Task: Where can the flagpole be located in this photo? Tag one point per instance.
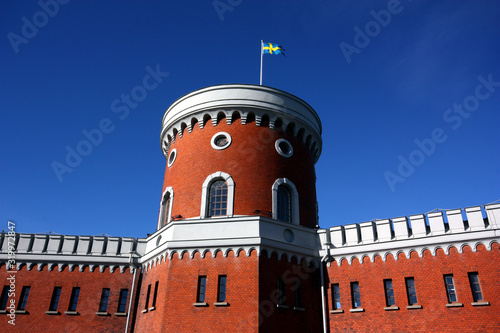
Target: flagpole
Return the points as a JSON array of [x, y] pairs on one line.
[[261, 56]]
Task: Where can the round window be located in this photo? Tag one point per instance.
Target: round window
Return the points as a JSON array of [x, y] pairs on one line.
[[284, 147], [221, 140], [172, 157]]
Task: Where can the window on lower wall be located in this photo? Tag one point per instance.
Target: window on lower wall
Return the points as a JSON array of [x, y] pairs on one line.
[[356, 295], [281, 292], [221, 294], [146, 305], [73, 302], [103, 305], [202, 285], [24, 298], [390, 300], [4, 298], [411, 291], [336, 297], [122, 303], [475, 286], [450, 288], [297, 292], [54, 301], [155, 293]]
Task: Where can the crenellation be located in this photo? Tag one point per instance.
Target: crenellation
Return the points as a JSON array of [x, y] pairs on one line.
[[84, 243], [69, 244], [39, 243], [418, 225], [455, 220], [25, 243], [113, 246], [436, 223], [475, 218], [493, 215], [384, 230], [337, 236], [54, 243], [368, 232], [401, 227], [98, 245]]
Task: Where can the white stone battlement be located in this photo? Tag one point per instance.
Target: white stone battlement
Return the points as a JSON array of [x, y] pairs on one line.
[[420, 232], [61, 250]]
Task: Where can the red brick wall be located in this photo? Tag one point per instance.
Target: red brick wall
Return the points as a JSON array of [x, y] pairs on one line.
[[91, 284], [428, 272], [273, 319], [252, 162], [178, 282]]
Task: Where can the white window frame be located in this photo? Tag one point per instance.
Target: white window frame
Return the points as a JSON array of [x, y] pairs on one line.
[[294, 199], [168, 190], [219, 175]]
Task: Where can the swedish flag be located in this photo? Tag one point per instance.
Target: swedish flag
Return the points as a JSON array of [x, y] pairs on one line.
[[270, 48]]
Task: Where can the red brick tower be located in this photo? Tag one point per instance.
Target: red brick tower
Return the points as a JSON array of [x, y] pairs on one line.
[[235, 245]]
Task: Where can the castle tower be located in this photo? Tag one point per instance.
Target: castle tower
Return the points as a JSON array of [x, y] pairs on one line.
[[235, 245]]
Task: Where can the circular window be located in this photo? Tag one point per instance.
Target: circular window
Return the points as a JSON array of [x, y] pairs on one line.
[[221, 140], [172, 157], [284, 147]]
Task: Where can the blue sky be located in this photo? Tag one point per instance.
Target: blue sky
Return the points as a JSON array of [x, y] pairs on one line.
[[408, 93]]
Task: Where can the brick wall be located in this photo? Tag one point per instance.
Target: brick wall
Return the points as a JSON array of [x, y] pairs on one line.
[[91, 284], [178, 282], [252, 162], [428, 271]]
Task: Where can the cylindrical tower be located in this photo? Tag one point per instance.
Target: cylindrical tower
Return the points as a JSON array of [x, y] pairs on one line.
[[240, 150]]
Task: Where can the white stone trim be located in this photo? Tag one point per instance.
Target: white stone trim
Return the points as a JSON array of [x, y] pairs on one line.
[[216, 135], [294, 199], [168, 190], [219, 175]]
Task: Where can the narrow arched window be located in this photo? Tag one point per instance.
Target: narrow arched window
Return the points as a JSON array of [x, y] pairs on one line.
[[165, 210], [218, 199], [166, 207], [284, 204]]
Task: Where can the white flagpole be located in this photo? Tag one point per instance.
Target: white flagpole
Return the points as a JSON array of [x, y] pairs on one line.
[[261, 56]]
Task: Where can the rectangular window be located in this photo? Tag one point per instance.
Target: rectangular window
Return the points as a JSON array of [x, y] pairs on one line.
[[103, 305], [24, 298], [221, 294], [297, 294], [146, 305], [355, 294], [5, 297], [122, 303], [73, 302], [281, 292], [390, 300], [54, 301], [155, 294], [336, 297], [477, 295], [450, 288], [411, 291], [202, 285]]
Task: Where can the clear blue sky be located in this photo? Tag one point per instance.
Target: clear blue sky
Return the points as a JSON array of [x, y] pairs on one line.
[[404, 76]]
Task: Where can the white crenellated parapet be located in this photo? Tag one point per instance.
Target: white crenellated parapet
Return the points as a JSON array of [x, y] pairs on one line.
[[441, 229], [67, 251]]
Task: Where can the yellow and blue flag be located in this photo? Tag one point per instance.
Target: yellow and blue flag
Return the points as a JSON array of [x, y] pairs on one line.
[[270, 48]]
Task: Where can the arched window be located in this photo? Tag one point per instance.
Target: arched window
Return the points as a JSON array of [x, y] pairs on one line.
[[285, 201], [284, 204], [217, 195], [218, 199], [166, 207]]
